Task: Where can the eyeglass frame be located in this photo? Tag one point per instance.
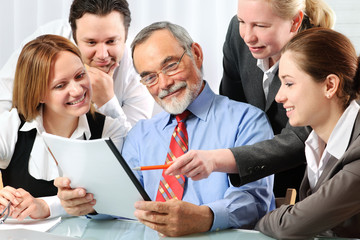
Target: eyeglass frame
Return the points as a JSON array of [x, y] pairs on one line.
[[5, 213], [162, 70]]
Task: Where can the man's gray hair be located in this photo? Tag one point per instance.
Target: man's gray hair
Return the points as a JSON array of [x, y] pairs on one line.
[[180, 34]]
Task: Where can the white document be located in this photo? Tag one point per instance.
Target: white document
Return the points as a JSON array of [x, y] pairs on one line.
[[42, 225], [25, 234], [97, 166]]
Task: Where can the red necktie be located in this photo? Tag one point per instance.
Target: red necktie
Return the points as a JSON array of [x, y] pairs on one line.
[[173, 186]]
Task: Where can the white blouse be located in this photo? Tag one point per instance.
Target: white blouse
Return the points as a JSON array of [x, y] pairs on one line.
[[337, 144], [41, 164], [269, 73]]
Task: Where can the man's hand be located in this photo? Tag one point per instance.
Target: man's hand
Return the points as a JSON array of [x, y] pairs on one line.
[[76, 201], [199, 164], [174, 218], [102, 84]]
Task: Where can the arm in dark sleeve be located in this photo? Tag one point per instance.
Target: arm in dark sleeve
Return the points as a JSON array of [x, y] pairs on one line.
[[285, 151]]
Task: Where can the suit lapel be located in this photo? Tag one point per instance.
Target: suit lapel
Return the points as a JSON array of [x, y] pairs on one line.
[[274, 88], [255, 75], [333, 162], [326, 173], [356, 130]]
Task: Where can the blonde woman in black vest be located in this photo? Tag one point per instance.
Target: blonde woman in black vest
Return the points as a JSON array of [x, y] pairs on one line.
[[52, 94]]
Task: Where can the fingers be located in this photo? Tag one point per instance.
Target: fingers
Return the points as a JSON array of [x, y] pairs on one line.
[[76, 201], [160, 207], [180, 165], [87, 67], [191, 164], [76, 197], [23, 210], [151, 213], [112, 69], [81, 209], [9, 194], [65, 192], [159, 227], [29, 206], [62, 182], [171, 218]]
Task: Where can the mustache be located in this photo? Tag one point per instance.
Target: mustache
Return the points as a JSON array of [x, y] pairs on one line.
[[174, 88]]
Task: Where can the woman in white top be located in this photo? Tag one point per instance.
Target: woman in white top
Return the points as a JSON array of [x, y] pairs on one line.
[[52, 94], [319, 73]]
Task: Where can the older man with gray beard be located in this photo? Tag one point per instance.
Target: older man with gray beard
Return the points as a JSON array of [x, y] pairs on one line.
[[170, 63]]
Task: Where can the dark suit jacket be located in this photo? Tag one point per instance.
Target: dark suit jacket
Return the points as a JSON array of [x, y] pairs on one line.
[[332, 208], [242, 81]]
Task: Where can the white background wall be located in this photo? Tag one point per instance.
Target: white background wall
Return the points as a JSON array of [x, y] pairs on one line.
[[206, 21]]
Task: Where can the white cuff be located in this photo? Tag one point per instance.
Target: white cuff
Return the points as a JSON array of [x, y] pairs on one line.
[[55, 207]]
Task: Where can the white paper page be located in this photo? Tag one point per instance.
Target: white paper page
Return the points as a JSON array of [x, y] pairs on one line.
[[42, 225], [25, 234], [92, 165]]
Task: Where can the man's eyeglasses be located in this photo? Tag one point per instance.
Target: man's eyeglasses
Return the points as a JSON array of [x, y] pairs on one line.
[[170, 69], [5, 213]]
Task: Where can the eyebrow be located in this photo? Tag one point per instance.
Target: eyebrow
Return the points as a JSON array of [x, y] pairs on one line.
[[64, 78], [86, 39], [285, 76]]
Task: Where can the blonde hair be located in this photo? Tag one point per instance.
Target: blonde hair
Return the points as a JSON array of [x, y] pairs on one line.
[[33, 72], [317, 12]]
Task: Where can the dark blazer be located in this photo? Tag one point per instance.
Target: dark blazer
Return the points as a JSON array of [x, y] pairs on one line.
[[242, 81], [332, 208]]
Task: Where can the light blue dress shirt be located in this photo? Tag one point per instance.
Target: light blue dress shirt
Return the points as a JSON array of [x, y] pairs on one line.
[[216, 122]]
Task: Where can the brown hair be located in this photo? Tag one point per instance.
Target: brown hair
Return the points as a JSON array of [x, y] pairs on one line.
[[33, 71], [98, 7], [321, 52]]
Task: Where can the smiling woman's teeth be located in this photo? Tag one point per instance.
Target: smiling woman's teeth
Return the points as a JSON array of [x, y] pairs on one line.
[[289, 109], [73, 103]]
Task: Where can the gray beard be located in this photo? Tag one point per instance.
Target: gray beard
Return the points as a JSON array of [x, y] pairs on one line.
[[177, 106]]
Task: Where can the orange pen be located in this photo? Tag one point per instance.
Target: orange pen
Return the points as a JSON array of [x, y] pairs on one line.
[[154, 167]]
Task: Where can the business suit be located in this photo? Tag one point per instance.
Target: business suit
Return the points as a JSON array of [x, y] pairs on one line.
[[243, 81], [331, 208]]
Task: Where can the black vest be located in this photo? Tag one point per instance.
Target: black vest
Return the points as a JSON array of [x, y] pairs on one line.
[[17, 173]]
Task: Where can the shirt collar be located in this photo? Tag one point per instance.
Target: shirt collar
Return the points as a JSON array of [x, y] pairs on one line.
[[263, 64], [82, 129], [340, 136], [199, 107], [37, 123]]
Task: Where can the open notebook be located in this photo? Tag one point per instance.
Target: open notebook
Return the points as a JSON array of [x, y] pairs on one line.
[[97, 166]]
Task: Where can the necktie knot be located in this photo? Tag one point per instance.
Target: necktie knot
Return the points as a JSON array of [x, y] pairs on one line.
[[182, 116]]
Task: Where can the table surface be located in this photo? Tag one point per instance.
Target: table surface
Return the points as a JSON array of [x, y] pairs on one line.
[[80, 227], [83, 228]]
